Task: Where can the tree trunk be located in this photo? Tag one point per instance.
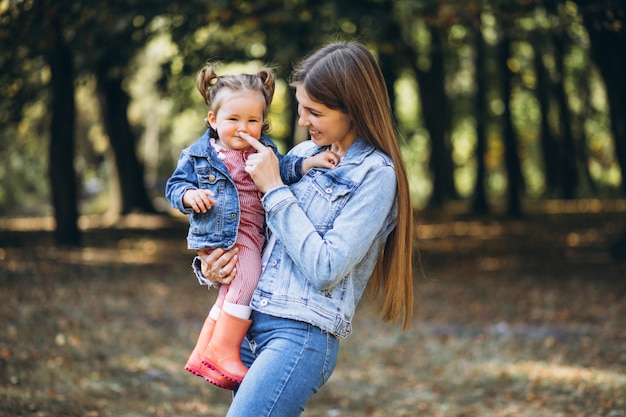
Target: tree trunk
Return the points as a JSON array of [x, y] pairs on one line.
[[570, 178], [511, 155], [62, 175], [114, 104], [608, 43], [437, 121], [549, 145], [479, 201]]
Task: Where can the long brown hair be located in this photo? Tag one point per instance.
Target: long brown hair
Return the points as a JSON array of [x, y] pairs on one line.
[[345, 76]]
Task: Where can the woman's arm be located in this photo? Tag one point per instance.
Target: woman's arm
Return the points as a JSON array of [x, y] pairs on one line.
[[327, 259]]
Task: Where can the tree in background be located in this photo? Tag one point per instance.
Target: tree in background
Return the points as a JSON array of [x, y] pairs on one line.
[[476, 128]]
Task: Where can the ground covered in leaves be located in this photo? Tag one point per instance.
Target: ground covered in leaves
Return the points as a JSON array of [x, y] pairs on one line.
[[513, 318]]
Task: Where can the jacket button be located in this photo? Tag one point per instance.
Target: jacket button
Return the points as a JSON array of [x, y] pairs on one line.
[[264, 302], [211, 177], [233, 215]]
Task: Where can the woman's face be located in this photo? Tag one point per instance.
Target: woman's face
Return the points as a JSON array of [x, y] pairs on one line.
[[239, 111], [326, 126]]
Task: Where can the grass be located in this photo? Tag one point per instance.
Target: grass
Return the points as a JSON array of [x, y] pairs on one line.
[[514, 318]]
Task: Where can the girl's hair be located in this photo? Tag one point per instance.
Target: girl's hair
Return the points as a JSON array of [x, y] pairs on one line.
[[345, 76], [213, 87]]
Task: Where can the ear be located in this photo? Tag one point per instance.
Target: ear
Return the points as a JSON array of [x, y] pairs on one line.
[[212, 120]]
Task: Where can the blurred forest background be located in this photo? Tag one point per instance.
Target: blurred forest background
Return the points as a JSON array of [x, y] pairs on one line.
[[512, 119], [501, 106]]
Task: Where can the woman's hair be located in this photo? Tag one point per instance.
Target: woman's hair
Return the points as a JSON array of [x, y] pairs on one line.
[[213, 87], [345, 76]]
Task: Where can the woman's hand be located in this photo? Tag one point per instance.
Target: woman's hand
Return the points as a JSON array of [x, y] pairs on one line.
[[262, 165], [218, 265]]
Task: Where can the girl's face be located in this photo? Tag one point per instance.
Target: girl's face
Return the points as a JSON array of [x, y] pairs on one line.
[[239, 111], [326, 126]]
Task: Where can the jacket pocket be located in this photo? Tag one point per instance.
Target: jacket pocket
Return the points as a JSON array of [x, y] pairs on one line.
[[330, 196], [207, 177]]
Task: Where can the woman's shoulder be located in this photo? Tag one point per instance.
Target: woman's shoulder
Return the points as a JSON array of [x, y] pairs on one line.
[[363, 153]]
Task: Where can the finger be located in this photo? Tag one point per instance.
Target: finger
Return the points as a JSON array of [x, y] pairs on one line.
[[231, 265], [255, 143], [210, 258], [195, 207], [207, 203], [204, 207], [229, 271], [228, 260], [204, 268]]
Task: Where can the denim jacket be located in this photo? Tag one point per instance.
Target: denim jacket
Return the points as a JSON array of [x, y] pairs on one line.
[[330, 228], [199, 167]]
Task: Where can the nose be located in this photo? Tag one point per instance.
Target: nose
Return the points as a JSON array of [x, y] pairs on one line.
[[303, 119], [243, 126]]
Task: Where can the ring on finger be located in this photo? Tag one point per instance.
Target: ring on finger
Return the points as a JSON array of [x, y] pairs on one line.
[[220, 273]]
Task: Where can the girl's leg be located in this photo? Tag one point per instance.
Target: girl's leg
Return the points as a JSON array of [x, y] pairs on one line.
[[222, 352], [248, 272], [194, 362], [289, 360]]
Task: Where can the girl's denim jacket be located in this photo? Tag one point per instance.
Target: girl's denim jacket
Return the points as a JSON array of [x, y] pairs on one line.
[[199, 167], [330, 229]]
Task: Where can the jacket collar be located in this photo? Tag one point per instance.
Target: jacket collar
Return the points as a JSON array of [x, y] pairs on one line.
[[356, 153]]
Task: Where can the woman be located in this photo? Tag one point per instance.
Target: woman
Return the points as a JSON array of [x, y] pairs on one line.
[[329, 234]]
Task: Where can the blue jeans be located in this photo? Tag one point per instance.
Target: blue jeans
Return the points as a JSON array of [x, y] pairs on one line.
[[289, 361]]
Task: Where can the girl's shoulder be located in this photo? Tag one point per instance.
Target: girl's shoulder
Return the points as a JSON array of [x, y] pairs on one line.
[[267, 141], [201, 146]]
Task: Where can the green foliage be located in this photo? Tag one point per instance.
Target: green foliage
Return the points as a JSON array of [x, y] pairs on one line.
[[157, 47]]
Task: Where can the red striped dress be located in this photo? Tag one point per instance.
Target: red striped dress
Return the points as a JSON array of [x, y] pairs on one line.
[[250, 237]]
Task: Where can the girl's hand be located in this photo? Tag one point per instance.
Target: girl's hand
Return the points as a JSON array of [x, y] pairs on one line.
[[326, 159], [218, 265], [262, 165], [200, 200]]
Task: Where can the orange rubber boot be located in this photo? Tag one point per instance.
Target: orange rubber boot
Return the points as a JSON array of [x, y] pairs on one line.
[[194, 363], [222, 352]]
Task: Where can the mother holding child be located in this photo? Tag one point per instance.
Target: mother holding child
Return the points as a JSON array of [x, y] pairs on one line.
[[347, 224]]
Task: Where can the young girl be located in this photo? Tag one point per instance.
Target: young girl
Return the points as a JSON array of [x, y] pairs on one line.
[[331, 234], [210, 184]]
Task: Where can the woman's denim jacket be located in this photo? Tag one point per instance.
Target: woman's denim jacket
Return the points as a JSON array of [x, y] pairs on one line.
[[330, 229], [199, 167]]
